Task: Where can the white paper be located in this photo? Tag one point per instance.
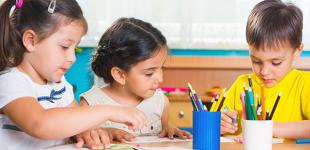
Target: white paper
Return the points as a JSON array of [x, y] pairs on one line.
[[277, 141], [164, 148], [229, 139], [66, 147], [152, 139], [72, 147]]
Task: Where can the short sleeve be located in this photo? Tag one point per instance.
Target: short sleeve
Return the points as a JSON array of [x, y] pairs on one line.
[[305, 97], [94, 96], [14, 86]]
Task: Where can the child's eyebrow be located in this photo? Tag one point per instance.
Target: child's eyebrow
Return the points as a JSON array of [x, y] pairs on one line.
[[70, 41], [272, 59], [253, 57], [152, 68]]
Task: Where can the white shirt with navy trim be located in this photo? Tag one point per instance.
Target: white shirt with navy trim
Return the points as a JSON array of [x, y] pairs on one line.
[[15, 84]]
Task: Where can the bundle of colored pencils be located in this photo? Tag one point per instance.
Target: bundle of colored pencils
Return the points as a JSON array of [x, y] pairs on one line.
[[252, 111], [217, 103]]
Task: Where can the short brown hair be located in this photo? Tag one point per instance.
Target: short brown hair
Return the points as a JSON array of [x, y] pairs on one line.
[[272, 22]]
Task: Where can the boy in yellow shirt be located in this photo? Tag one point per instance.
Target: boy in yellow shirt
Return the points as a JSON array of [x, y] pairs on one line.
[[274, 36]]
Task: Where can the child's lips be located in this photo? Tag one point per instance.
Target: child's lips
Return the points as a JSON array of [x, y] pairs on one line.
[[63, 70], [268, 80]]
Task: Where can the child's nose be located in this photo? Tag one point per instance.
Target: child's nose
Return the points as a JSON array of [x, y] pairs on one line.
[[71, 56], [264, 70], [160, 77]]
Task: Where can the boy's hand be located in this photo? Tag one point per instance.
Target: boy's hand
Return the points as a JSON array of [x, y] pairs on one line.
[[95, 139], [239, 139], [132, 117], [171, 132], [227, 125]]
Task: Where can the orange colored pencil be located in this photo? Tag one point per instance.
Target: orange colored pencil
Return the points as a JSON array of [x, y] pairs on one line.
[[263, 102]]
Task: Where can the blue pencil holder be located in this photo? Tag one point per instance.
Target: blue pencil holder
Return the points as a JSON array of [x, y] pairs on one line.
[[206, 130]]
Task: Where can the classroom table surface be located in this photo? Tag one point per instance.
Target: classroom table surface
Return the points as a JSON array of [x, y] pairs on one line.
[[287, 145]]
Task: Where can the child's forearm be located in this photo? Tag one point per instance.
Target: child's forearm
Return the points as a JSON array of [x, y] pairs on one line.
[[55, 123], [60, 123], [292, 130]]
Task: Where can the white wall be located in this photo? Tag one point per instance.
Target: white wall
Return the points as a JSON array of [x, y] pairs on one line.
[[206, 24], [213, 24]]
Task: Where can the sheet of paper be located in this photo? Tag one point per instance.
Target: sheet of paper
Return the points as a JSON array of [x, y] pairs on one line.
[[155, 139], [164, 148], [112, 147], [151, 139], [228, 139], [277, 141], [65, 147], [231, 139]]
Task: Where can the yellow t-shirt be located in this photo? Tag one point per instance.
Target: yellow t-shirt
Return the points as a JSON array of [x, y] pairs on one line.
[[294, 104]]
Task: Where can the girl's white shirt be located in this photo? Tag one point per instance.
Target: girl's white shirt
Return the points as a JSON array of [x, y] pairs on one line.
[[152, 107], [15, 84]]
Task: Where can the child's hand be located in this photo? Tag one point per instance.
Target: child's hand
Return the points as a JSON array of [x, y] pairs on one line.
[[171, 132], [132, 117], [94, 139], [120, 135], [239, 139], [227, 125]]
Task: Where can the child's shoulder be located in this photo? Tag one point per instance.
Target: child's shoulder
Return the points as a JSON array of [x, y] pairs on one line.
[[302, 75], [12, 76], [95, 96], [92, 91], [14, 84]]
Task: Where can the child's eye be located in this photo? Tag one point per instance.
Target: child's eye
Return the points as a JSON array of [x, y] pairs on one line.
[[256, 62], [276, 63], [65, 47], [148, 74]]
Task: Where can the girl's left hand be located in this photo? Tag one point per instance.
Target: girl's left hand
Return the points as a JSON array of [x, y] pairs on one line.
[[94, 139], [172, 132]]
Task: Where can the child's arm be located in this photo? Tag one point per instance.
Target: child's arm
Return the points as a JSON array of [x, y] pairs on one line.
[[168, 130], [98, 138], [292, 130], [56, 123]]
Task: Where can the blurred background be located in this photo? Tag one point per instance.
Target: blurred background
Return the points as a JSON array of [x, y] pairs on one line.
[[206, 37], [196, 24]]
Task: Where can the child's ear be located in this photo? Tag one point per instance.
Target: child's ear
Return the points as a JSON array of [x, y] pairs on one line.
[[118, 75], [299, 50], [29, 38]]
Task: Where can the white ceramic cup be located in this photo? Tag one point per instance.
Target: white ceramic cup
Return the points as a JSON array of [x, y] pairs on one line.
[[257, 134]]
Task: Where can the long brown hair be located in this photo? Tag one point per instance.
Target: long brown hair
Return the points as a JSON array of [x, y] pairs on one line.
[[127, 42], [34, 15]]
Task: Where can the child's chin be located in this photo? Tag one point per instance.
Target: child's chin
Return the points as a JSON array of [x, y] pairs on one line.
[[148, 94], [56, 79], [269, 85]]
